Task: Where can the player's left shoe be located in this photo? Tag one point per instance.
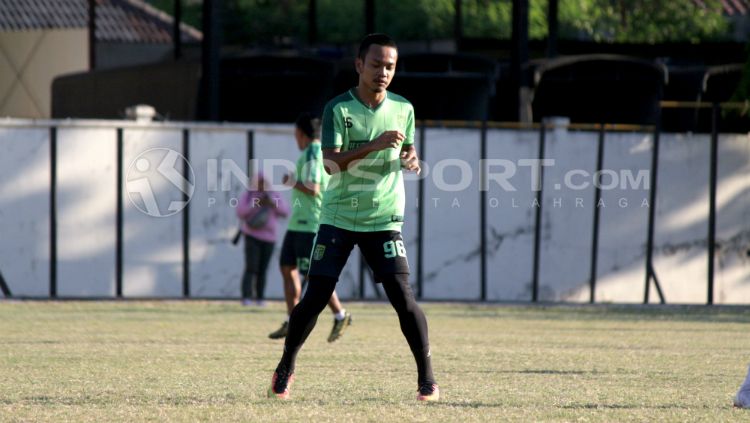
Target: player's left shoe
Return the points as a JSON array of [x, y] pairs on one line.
[[742, 399], [428, 392], [339, 326], [739, 403], [280, 332], [280, 384]]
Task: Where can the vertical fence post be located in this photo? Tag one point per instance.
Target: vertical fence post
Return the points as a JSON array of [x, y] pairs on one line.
[[4, 287], [538, 217], [650, 273], [186, 217], [250, 171], [361, 276], [595, 231], [53, 212], [483, 211], [176, 33], [91, 23], [118, 213], [712, 199], [420, 216]]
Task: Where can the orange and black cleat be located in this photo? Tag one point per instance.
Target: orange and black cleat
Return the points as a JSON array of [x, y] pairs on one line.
[[280, 383], [428, 392]]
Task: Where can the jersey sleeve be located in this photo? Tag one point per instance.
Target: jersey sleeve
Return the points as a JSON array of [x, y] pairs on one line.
[[409, 128], [331, 131], [313, 164]]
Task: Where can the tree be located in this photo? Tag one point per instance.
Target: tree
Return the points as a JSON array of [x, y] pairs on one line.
[[642, 21], [249, 22]]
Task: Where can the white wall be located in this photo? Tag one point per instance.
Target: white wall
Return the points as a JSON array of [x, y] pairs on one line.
[[152, 247], [24, 209], [152, 253], [215, 264], [86, 204], [510, 220], [451, 261], [565, 253], [623, 230]]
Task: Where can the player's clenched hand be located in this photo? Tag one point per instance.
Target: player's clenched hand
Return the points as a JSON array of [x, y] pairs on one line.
[[388, 139], [410, 161]]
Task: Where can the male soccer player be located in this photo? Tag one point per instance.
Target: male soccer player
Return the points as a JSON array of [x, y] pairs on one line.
[[368, 136], [308, 185]]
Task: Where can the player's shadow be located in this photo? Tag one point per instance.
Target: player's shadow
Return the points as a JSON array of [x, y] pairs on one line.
[[593, 406]]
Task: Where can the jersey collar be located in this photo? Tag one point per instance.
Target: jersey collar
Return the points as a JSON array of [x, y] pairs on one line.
[[353, 93]]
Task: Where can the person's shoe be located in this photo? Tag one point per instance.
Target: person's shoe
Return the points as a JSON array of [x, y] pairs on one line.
[[339, 326], [428, 392], [280, 332], [742, 399], [247, 302], [280, 383]]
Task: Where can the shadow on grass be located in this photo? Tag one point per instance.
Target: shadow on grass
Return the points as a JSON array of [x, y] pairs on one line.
[[601, 312], [555, 372], [583, 406], [104, 400], [592, 406], [474, 405]]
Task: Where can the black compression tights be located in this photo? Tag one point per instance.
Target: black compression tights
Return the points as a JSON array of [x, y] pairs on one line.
[[410, 316]]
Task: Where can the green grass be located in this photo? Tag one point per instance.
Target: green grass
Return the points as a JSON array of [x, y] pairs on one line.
[[212, 361]]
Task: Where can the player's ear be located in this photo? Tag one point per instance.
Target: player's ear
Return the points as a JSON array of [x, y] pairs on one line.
[[358, 65]]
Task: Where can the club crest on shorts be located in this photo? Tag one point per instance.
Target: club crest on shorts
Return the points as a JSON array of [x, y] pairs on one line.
[[319, 251]]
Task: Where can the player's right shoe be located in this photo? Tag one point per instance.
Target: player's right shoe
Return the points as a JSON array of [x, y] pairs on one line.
[[280, 383], [339, 326], [428, 392], [280, 332]]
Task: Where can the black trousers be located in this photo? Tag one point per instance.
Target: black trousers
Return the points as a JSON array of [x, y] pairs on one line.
[[257, 256]]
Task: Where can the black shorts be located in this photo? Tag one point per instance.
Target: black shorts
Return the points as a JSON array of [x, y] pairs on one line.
[[296, 249], [384, 251]]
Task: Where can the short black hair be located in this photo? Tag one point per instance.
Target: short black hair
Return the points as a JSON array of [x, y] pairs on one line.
[[308, 124], [378, 39]]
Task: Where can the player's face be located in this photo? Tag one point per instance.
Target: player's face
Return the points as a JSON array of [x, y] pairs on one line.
[[300, 138], [376, 71]]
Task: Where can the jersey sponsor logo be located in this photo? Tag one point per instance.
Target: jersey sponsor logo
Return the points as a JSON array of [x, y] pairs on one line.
[[397, 218], [320, 250], [354, 144], [303, 264], [401, 119]]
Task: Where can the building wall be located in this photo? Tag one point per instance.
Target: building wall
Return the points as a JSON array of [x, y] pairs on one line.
[[30, 60], [152, 246]]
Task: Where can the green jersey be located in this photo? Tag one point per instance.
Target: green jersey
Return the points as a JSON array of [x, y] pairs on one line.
[[306, 208], [369, 196]]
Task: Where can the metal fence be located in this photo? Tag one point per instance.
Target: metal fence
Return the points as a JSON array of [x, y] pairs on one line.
[[602, 132]]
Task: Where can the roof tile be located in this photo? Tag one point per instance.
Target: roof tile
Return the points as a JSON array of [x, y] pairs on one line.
[[116, 20]]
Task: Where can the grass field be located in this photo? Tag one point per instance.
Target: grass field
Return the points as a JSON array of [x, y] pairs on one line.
[[200, 361]]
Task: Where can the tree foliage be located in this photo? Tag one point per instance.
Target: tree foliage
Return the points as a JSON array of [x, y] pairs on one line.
[[342, 21], [642, 21]]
